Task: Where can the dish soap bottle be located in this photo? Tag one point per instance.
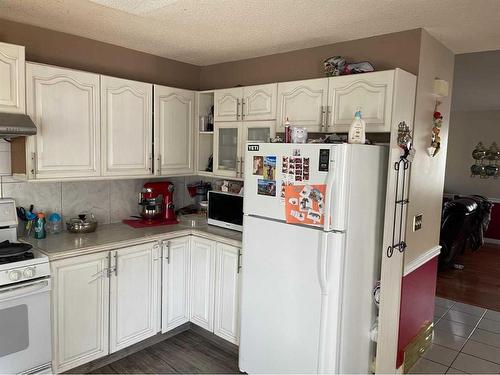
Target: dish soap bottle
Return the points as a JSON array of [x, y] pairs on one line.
[[40, 226], [357, 129]]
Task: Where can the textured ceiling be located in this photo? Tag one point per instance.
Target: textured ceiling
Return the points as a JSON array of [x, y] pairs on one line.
[[204, 32]]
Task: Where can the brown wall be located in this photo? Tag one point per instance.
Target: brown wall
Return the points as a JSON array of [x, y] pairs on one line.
[[397, 50], [66, 50]]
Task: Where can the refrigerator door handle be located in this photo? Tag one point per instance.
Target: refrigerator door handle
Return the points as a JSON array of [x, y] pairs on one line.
[[328, 199], [323, 264]]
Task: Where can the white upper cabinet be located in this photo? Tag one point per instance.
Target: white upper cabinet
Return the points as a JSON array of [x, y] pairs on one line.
[[227, 104], [304, 103], [248, 103], [259, 102], [174, 132], [126, 127], [64, 104], [134, 295], [372, 92], [202, 282], [227, 149], [12, 83], [175, 284]]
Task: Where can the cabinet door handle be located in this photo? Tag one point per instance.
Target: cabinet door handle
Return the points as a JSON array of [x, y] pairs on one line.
[[242, 108], [158, 160], [238, 268], [167, 245], [150, 161], [328, 113], [323, 117], [33, 158], [241, 167], [116, 263], [238, 104]]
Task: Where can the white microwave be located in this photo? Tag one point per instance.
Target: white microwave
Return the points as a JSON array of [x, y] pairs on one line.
[[225, 210]]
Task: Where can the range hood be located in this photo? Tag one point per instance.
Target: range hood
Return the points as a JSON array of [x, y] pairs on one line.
[[14, 125]]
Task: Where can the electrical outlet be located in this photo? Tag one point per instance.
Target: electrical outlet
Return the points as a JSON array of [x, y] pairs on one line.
[[417, 222]]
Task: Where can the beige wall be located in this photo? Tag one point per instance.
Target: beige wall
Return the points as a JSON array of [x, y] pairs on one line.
[[397, 50], [475, 118], [56, 48], [467, 128], [427, 173]]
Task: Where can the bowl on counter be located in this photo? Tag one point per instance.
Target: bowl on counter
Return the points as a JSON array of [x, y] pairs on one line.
[[82, 224]]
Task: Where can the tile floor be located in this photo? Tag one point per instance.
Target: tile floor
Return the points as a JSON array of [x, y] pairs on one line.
[[466, 341]]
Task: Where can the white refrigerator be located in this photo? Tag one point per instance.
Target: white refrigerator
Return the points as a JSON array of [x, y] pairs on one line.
[[312, 237]]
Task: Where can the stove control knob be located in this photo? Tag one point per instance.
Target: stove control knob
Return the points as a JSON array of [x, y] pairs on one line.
[[29, 272], [15, 275]]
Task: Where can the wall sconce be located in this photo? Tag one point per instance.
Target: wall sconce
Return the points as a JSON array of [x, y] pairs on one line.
[[486, 161]]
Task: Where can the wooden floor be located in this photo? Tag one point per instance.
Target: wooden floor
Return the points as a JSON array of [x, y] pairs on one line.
[[185, 353], [478, 283]]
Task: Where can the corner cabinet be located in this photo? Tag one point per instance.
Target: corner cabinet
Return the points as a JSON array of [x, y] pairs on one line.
[[249, 103], [126, 127], [174, 130], [227, 292], [134, 295], [202, 282], [372, 92], [12, 78], [64, 104], [175, 283], [80, 308]]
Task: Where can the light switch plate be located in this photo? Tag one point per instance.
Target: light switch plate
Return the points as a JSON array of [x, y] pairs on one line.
[[417, 222]]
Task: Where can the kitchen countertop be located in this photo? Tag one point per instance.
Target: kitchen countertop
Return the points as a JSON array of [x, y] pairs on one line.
[[115, 236]]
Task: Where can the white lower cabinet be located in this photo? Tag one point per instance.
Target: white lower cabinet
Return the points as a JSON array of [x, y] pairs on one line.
[[80, 301], [134, 297], [104, 302], [227, 293], [175, 283], [202, 280]]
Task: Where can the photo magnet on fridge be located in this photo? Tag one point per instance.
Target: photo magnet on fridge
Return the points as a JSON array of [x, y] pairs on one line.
[[265, 187], [269, 172], [258, 165]]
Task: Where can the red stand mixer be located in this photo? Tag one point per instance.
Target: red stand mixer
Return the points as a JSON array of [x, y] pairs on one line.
[[156, 205]]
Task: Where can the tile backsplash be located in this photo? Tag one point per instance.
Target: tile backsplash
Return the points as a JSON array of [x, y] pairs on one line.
[[110, 201]]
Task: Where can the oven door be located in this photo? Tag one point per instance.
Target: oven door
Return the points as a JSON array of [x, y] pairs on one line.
[[25, 344]]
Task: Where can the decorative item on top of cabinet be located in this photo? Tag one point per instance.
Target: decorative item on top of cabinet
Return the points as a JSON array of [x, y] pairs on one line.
[[304, 103], [12, 78], [64, 104], [249, 103], [80, 308], [202, 282], [175, 283], [126, 127], [134, 295], [227, 292], [371, 91], [174, 130]]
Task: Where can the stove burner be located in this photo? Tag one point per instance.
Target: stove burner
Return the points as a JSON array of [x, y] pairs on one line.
[[9, 249], [17, 258]]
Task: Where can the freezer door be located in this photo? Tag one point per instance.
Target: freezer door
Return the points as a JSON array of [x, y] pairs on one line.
[[269, 167], [290, 298]]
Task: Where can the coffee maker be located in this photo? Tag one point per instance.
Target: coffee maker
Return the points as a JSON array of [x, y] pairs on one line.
[[156, 205]]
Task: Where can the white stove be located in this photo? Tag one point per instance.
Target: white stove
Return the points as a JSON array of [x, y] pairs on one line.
[[25, 287]]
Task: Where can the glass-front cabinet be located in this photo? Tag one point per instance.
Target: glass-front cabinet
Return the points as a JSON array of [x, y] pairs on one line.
[[227, 152], [230, 142]]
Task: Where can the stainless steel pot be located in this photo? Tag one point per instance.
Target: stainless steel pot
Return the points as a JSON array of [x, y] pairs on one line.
[[82, 224]]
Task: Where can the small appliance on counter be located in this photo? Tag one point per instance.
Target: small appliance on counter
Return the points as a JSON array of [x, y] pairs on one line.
[[225, 210], [156, 206], [24, 301]]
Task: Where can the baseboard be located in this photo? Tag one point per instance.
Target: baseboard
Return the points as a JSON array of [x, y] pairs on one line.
[[421, 260], [104, 361], [216, 340], [493, 241]]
